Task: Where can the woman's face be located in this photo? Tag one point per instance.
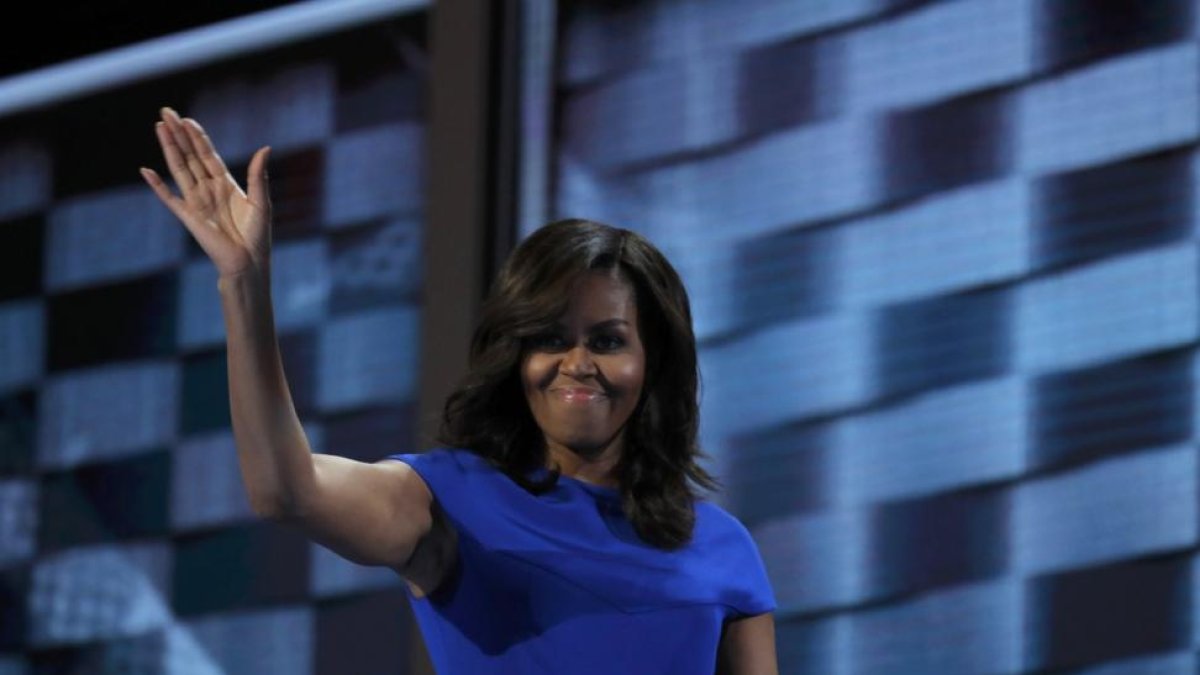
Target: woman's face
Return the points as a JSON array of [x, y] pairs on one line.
[[583, 379]]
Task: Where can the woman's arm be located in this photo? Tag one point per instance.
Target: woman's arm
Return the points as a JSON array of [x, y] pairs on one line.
[[372, 514], [748, 647], [369, 513]]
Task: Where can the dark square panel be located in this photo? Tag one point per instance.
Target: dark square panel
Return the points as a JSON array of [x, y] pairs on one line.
[[784, 276], [14, 620], [1087, 414], [938, 541], [143, 653], [64, 660], [1112, 209], [22, 256], [1109, 613], [780, 472], [116, 322], [780, 86], [370, 435], [376, 629], [297, 185], [1072, 32], [628, 23], [104, 502], [248, 566], [18, 432], [205, 398], [944, 340], [947, 144]]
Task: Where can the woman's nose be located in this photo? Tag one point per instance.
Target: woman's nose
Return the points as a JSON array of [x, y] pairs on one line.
[[578, 361]]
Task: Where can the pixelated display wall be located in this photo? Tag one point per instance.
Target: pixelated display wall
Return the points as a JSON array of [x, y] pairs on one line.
[[126, 541], [943, 264]]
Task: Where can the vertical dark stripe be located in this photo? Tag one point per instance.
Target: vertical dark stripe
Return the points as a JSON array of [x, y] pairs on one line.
[[458, 246], [455, 239]]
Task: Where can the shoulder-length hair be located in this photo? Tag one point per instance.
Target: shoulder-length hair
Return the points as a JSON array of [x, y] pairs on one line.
[[488, 413]]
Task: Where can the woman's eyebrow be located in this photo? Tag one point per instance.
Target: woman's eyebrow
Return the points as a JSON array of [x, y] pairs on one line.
[[602, 324]]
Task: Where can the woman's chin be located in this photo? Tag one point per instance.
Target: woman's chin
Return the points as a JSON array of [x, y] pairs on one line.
[[586, 446]]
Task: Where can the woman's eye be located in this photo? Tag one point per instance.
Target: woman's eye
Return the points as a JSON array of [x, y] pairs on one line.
[[602, 343], [609, 342], [546, 341]]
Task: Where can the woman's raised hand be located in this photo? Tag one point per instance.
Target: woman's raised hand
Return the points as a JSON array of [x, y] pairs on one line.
[[233, 227]]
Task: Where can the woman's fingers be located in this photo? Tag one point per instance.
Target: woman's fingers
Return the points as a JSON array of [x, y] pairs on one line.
[[184, 142], [213, 164], [175, 161], [209, 238], [175, 204]]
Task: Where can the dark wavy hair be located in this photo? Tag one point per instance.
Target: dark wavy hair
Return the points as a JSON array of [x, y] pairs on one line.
[[489, 415]]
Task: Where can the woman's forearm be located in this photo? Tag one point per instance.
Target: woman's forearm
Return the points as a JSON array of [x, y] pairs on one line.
[[273, 451]]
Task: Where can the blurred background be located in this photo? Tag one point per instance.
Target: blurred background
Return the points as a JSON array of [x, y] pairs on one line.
[[943, 265]]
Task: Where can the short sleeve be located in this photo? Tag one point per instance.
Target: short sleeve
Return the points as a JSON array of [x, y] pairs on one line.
[[447, 473], [745, 588], [461, 482], [436, 467], [755, 595]]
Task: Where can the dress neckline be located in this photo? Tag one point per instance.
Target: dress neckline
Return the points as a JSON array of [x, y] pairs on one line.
[[592, 487], [606, 492]]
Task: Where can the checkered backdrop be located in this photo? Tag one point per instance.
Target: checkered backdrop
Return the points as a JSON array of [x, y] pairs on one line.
[[943, 266], [126, 541], [943, 263]]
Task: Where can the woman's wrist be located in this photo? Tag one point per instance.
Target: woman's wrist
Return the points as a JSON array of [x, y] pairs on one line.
[[255, 274]]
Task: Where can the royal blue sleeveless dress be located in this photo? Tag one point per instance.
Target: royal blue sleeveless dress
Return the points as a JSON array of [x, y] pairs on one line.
[[560, 583]]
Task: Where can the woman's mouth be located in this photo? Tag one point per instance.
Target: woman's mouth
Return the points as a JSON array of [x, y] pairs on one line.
[[579, 395]]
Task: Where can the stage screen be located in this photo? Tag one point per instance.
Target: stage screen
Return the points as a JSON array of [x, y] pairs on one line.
[[943, 268]]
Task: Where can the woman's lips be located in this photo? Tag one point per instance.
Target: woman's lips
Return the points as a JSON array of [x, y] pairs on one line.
[[577, 394]]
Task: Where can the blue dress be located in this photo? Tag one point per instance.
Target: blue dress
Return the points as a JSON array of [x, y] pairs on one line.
[[560, 582]]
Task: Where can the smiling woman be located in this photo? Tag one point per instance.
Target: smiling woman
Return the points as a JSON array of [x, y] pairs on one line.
[[585, 305], [566, 499]]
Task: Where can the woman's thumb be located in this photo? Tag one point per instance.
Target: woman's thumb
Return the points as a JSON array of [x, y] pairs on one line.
[[256, 178]]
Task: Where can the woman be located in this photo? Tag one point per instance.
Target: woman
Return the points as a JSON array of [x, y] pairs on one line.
[[557, 531]]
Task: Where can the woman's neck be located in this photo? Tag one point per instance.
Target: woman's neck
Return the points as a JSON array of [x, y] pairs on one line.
[[599, 468]]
